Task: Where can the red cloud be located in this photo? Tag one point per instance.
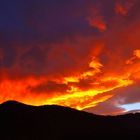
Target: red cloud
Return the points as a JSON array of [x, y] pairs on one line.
[[97, 22], [80, 69], [124, 6], [96, 19]]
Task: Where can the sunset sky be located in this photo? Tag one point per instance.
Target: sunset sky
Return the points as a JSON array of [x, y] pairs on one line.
[[84, 54]]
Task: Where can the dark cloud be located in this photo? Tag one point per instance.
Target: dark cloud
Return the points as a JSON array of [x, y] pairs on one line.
[[106, 108], [50, 87], [122, 96]]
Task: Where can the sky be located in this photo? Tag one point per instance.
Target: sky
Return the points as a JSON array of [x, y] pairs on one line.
[[83, 54], [131, 107]]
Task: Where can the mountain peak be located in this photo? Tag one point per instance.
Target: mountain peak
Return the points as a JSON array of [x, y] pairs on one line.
[[10, 102], [53, 122]]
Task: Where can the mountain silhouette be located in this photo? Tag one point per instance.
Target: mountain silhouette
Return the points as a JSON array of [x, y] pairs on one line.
[[24, 122]]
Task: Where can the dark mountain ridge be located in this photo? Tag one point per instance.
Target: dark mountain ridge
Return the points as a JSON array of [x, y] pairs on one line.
[[24, 122]]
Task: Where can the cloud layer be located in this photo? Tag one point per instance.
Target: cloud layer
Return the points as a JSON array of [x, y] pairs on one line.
[[82, 54]]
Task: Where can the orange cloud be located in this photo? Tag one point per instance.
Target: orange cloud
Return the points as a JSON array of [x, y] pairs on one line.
[[81, 70], [137, 53]]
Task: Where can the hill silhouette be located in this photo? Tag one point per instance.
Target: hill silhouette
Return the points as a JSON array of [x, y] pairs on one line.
[[23, 122]]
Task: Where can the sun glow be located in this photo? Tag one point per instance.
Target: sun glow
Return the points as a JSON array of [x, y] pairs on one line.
[[73, 96]]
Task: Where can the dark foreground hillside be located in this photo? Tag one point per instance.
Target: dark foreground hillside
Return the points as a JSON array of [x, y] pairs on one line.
[[22, 122]]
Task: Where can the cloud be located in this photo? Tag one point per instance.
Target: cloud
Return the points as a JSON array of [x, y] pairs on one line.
[[124, 6], [50, 87], [122, 96], [106, 108], [137, 53], [73, 54], [96, 19]]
